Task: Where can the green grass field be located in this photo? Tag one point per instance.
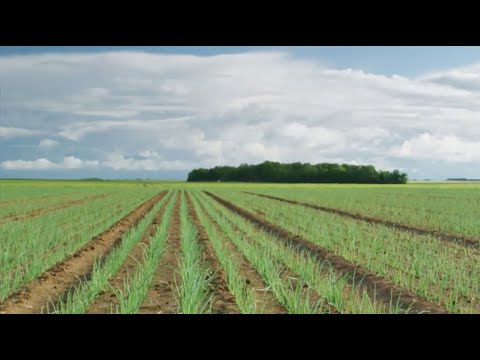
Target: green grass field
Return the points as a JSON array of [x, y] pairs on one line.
[[176, 247]]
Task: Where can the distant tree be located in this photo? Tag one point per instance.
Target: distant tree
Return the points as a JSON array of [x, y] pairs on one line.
[[276, 172]]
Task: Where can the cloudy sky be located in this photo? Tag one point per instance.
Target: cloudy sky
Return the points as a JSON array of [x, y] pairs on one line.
[[159, 112]]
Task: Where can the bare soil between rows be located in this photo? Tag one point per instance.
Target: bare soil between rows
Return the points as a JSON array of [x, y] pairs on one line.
[[377, 287], [161, 298], [41, 293], [223, 300], [34, 198], [433, 197], [263, 295], [38, 212], [59, 245], [107, 301], [418, 231], [293, 278]]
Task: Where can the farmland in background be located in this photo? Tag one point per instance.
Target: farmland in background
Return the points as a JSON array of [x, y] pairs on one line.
[[175, 247]]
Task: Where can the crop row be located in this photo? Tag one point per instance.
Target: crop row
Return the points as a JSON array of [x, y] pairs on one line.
[[262, 271], [450, 215], [443, 273], [30, 247]]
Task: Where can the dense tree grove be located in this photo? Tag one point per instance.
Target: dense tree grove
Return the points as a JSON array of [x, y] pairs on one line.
[[276, 172]]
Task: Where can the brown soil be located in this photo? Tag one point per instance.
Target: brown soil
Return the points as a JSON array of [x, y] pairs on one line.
[[37, 296], [160, 298], [57, 246], [456, 239], [224, 301], [434, 197], [264, 297], [377, 287], [33, 198], [291, 279], [38, 212], [347, 291], [107, 302], [287, 276]]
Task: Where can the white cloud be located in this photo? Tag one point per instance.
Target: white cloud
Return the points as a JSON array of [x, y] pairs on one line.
[[142, 111], [78, 130], [149, 154], [69, 162], [439, 147], [120, 162], [26, 164], [47, 143], [12, 132]]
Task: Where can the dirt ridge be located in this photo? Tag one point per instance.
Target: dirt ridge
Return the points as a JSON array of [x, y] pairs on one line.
[[38, 212], [51, 285], [160, 297], [107, 300], [419, 231], [253, 277], [38, 197], [224, 301], [376, 286]]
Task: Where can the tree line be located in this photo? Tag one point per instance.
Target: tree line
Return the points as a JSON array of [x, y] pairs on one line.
[[276, 172]]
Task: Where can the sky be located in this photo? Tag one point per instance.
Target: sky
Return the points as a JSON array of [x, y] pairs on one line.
[[159, 112]]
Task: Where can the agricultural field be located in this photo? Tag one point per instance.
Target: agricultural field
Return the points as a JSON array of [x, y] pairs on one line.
[[135, 247]]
